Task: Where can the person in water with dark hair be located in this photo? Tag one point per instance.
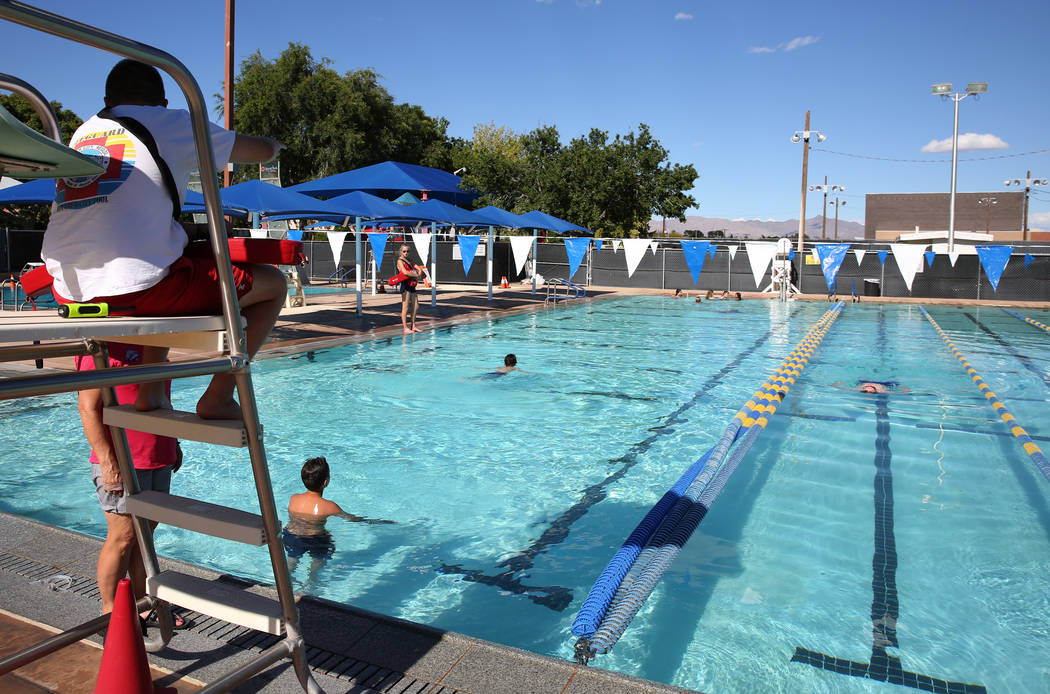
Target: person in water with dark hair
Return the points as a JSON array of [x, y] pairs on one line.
[[308, 512], [510, 363]]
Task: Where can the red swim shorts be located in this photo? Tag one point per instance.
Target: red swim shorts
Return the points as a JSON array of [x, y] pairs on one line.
[[191, 288]]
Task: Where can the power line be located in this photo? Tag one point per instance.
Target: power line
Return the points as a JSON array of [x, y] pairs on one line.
[[930, 161]]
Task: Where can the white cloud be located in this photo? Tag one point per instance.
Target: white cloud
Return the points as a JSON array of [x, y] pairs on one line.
[[795, 43], [681, 16], [800, 41], [966, 141], [738, 219], [1040, 220]]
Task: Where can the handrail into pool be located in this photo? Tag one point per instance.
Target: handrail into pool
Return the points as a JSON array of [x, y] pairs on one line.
[[552, 289], [1009, 420], [633, 572], [1026, 319]]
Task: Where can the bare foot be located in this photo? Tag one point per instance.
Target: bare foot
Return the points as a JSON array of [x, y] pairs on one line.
[[417, 330], [152, 396], [224, 409], [409, 331]]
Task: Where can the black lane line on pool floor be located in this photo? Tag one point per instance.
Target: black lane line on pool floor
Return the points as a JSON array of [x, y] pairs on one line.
[[885, 606], [559, 597], [1025, 361]]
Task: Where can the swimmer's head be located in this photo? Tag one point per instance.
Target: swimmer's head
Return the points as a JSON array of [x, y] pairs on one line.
[[315, 474], [510, 360], [869, 388]]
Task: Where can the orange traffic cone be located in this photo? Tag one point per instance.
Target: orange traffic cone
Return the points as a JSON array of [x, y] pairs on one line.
[[124, 668], [503, 283]]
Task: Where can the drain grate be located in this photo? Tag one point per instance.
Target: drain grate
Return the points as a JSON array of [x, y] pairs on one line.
[[324, 662]]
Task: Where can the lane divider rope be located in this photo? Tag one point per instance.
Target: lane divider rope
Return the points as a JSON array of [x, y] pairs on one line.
[[1026, 319], [1009, 420], [635, 569]]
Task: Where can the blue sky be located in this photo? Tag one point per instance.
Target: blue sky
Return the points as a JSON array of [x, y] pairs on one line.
[[722, 85]]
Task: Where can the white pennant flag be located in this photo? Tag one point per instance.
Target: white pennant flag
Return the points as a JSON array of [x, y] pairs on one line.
[[953, 255], [616, 244], [335, 240], [421, 241], [634, 249], [859, 255], [519, 248], [909, 257], [759, 253], [258, 233], [732, 251], [652, 245]]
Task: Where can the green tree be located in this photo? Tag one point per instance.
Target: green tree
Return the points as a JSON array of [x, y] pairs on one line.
[[330, 122]]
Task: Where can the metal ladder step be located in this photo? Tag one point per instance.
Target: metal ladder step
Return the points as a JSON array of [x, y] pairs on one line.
[[218, 600], [199, 516], [178, 424]]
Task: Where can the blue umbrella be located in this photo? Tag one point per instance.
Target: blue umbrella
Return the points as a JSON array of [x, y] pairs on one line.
[[195, 204], [267, 199], [501, 218]]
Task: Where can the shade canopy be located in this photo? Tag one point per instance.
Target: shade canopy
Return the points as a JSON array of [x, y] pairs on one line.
[[38, 192], [440, 211], [501, 218], [390, 179], [267, 199], [542, 220], [195, 205]]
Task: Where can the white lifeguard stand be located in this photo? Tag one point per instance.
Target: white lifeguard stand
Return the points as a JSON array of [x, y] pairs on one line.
[[781, 272]]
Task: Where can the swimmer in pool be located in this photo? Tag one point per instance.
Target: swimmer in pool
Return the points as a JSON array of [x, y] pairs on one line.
[[875, 387], [308, 512]]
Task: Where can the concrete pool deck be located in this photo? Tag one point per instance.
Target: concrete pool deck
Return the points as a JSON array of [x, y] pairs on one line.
[[350, 649]]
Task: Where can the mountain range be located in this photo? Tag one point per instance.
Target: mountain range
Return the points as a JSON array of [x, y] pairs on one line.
[[757, 228]]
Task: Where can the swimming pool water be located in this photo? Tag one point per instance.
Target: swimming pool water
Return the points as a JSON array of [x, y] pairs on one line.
[[510, 494]]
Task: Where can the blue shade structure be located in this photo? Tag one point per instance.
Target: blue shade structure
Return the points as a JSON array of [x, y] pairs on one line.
[[440, 211], [391, 179], [267, 199], [542, 220], [38, 192], [498, 217], [195, 204]]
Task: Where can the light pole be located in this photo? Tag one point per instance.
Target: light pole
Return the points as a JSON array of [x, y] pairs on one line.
[[837, 203], [988, 202], [1028, 183], [944, 90], [826, 189], [803, 137]]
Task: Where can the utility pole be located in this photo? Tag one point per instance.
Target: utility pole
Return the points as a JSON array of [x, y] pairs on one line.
[[824, 218], [803, 136], [988, 202], [837, 203], [1028, 183], [227, 106]]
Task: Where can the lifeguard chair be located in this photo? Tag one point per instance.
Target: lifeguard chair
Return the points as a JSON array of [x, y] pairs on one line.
[[34, 335]]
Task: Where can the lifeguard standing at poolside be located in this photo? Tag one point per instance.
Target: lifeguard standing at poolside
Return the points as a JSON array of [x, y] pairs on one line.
[[407, 287], [115, 237]]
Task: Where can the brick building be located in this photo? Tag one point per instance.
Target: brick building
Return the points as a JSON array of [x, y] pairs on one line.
[[888, 215]]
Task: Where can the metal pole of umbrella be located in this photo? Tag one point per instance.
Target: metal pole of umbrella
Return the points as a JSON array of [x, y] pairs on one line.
[[490, 262], [357, 262], [433, 265], [534, 263]]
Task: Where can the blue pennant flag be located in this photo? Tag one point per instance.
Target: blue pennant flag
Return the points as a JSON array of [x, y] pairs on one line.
[[882, 257], [468, 246], [831, 256], [1028, 257], [791, 254], [377, 240], [929, 258], [993, 260], [695, 252], [576, 248], [712, 250], [295, 235], [598, 244]]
